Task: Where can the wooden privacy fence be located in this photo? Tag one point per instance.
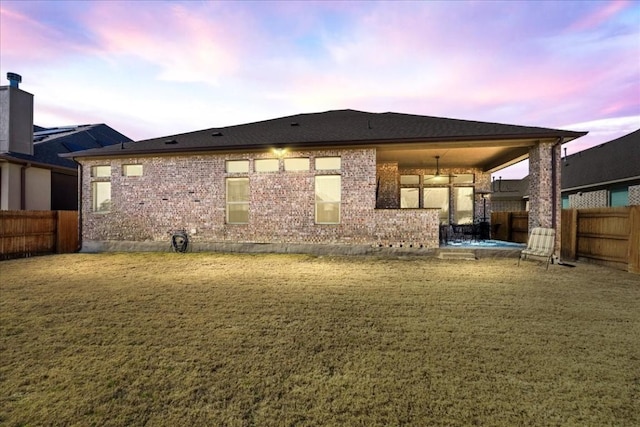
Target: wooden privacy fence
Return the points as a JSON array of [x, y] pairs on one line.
[[27, 233], [510, 226], [609, 236]]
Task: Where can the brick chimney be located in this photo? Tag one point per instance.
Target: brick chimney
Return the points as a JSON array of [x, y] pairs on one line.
[[16, 117]]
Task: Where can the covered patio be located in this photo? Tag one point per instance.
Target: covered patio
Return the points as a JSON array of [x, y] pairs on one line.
[[454, 176]]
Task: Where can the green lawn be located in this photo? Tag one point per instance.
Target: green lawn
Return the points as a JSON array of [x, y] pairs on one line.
[[283, 340]]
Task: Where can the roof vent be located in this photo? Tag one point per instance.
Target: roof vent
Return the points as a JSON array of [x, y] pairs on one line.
[[14, 79], [295, 124], [171, 141], [216, 134]]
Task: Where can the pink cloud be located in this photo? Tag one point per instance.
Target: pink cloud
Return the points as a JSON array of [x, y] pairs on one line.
[[599, 16], [186, 43], [28, 39]]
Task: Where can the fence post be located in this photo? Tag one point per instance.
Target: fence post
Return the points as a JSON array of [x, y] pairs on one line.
[[58, 231], [573, 235], [634, 240]]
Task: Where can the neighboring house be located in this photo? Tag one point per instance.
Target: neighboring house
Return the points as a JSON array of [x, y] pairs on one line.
[[602, 176], [606, 175], [32, 174], [339, 177], [510, 195]]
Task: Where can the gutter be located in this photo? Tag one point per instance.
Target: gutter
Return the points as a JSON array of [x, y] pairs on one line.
[[18, 161], [23, 185], [554, 183], [601, 184]]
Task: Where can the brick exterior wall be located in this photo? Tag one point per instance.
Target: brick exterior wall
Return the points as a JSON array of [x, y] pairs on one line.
[[188, 192], [545, 186], [389, 187], [589, 199]]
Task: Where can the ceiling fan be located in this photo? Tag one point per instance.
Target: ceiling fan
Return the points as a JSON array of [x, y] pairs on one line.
[[438, 174]]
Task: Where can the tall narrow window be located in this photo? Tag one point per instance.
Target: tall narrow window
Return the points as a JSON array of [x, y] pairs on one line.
[[101, 196], [237, 200], [328, 197], [101, 188], [463, 197], [438, 198]]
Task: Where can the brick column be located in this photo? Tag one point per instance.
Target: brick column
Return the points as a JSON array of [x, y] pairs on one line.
[[545, 200], [388, 186]]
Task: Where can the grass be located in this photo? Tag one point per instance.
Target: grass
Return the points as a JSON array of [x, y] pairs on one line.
[[295, 340]]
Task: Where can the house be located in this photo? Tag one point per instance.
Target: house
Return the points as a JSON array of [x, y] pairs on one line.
[[510, 195], [345, 178], [607, 175], [32, 174]]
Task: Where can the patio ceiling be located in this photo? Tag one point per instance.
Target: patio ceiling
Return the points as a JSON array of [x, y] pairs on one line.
[[489, 156]]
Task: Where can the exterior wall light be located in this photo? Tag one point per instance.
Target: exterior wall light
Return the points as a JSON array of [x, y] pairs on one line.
[[279, 152]]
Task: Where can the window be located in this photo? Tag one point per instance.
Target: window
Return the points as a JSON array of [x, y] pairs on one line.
[[409, 198], [328, 196], [295, 165], [237, 200], [101, 171], [328, 163], [462, 178], [409, 179], [463, 199], [619, 197], [266, 165], [132, 170], [101, 196], [435, 179], [438, 198], [237, 166]]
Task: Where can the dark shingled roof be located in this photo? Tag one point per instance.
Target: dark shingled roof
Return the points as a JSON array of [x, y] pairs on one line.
[[331, 128], [49, 143], [615, 160]]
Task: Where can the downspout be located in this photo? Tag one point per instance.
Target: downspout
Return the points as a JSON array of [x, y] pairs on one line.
[[80, 170], [554, 182], [23, 186]]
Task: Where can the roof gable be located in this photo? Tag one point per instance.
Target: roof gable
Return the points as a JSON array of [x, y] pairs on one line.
[[50, 143], [615, 160]]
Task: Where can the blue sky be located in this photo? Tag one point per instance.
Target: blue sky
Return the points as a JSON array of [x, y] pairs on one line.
[[154, 68]]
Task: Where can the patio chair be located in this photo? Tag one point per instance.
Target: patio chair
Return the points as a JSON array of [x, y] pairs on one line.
[[541, 244]]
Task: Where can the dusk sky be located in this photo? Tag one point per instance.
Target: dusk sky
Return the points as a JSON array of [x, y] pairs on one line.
[[153, 68]]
